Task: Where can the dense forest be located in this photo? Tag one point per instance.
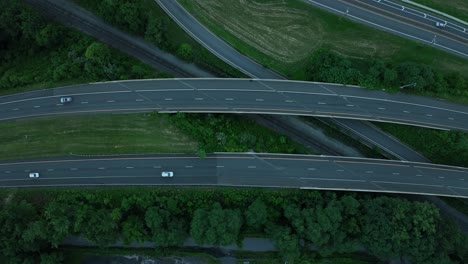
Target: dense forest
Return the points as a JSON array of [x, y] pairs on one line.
[[34, 223]]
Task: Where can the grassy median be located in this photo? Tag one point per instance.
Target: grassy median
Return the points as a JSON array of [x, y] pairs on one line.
[[283, 34]]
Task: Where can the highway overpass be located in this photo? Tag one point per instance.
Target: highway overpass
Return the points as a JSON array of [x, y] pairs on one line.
[[242, 170], [238, 96]]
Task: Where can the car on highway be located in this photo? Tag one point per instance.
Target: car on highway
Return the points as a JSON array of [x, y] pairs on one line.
[[167, 174], [66, 99], [33, 175], [440, 25]]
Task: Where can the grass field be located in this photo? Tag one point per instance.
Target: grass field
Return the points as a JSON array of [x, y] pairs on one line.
[[92, 134], [283, 34], [456, 8]]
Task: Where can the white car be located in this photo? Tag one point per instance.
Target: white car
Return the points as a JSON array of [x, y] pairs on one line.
[[66, 99], [440, 25], [167, 174], [34, 175]]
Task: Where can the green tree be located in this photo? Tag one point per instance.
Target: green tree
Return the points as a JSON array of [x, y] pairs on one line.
[[167, 230], [99, 227], [397, 228], [185, 52], [51, 258], [156, 31], [216, 226], [99, 53], [133, 230], [285, 241], [256, 215]]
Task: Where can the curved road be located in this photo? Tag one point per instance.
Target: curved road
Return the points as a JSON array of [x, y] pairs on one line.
[[360, 129], [243, 170], [409, 22], [238, 96]]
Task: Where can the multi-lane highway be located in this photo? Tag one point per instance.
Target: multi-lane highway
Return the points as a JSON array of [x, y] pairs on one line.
[[243, 170], [394, 17], [238, 96]]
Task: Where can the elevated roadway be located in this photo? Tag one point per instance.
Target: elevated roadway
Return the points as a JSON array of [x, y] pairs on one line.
[[238, 96], [243, 170]]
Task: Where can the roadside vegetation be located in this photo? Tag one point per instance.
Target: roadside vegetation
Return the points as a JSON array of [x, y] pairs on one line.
[[35, 222], [443, 147], [456, 8], [233, 133], [36, 53], [146, 19]]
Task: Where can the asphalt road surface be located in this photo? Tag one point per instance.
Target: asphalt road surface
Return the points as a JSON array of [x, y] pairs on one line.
[[361, 129], [243, 170], [237, 96], [409, 22]]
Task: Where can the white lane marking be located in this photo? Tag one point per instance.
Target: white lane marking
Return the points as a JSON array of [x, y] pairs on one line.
[[311, 169], [37, 106], [396, 173], [461, 179], [289, 101], [369, 172], [101, 168], [111, 101], [259, 100], [405, 183], [328, 179], [198, 99], [451, 118], [229, 99], [7, 171], [167, 99], [381, 108], [428, 115], [339, 170], [27, 170], [15, 109], [129, 167], [441, 177], [188, 166], [74, 169], [350, 105], [406, 111], [157, 167], [322, 103], [84, 102], [50, 169], [139, 100], [252, 167], [219, 166], [418, 175]]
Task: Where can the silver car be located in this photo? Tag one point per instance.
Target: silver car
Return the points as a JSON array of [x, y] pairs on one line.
[[440, 25], [167, 174], [66, 99], [33, 175]]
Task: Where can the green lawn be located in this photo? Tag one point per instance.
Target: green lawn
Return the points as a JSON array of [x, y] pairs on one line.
[[283, 34], [456, 8], [92, 134]]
